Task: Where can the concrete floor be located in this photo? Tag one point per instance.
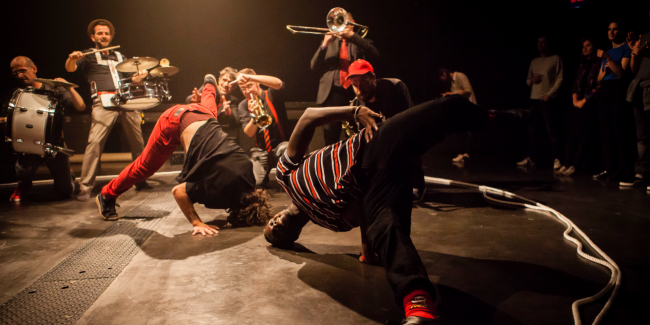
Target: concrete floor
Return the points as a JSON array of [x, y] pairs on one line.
[[491, 265]]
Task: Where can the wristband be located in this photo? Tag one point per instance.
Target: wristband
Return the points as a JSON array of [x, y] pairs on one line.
[[356, 111]]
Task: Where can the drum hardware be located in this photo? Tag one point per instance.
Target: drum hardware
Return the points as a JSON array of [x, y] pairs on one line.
[[337, 21], [56, 83], [131, 96], [262, 119], [149, 93], [65, 151], [136, 64], [35, 123], [164, 72], [101, 50], [93, 89]]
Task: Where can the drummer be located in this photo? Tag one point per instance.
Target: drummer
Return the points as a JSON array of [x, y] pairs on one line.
[[100, 69], [24, 70]]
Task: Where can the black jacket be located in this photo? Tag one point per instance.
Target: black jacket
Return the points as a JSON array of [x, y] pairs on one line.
[[326, 61]]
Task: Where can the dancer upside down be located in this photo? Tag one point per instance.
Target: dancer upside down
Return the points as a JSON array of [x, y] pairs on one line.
[[216, 173], [363, 182]]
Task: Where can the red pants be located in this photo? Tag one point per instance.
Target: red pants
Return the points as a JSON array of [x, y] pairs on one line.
[[164, 139]]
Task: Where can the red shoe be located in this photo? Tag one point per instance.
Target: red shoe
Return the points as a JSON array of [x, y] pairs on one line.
[[16, 196]]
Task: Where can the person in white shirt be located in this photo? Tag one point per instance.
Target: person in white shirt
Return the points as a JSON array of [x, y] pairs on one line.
[[457, 83], [544, 79]]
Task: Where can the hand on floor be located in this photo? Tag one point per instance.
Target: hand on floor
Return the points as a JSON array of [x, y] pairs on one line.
[[205, 230]]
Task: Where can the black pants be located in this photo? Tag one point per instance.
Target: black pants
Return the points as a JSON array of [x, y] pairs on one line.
[[387, 181], [546, 122], [642, 119], [616, 129], [263, 161], [582, 133], [59, 167], [338, 96]]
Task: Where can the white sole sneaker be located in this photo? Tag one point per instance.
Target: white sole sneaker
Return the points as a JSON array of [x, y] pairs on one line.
[[83, 196], [557, 164], [458, 158], [524, 162]]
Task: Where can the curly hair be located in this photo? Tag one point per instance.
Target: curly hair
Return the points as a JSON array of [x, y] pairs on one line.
[[232, 73], [254, 210]]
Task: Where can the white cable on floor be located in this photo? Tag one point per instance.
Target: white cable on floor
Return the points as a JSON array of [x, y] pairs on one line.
[[615, 280]]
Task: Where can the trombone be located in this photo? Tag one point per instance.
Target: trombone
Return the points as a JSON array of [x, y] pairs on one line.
[[337, 21]]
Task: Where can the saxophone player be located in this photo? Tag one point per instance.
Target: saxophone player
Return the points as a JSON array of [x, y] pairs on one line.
[[268, 138]]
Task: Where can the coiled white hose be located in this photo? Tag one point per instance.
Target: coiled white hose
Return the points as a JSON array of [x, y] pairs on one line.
[[615, 280]]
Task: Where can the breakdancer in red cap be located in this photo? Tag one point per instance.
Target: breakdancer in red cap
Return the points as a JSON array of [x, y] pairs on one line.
[[366, 181]]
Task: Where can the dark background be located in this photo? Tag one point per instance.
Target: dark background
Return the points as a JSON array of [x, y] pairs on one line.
[[490, 41]]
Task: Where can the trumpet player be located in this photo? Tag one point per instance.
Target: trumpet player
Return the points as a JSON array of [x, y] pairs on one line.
[[261, 105]]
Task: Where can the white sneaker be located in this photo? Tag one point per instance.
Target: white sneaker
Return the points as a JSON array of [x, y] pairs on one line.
[[569, 171], [83, 196], [557, 164], [524, 162], [458, 158]]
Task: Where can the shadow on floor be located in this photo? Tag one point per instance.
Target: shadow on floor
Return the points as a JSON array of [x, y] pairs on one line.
[[184, 245], [470, 289]]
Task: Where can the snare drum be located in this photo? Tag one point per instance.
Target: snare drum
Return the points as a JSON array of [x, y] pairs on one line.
[[142, 96], [35, 123]]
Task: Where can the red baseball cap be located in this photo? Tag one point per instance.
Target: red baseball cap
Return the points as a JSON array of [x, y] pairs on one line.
[[358, 68]]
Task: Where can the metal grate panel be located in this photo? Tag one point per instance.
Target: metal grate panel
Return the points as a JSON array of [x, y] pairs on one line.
[[63, 294]]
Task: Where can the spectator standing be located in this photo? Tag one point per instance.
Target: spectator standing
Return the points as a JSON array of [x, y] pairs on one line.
[[639, 94], [457, 83], [544, 77], [614, 114]]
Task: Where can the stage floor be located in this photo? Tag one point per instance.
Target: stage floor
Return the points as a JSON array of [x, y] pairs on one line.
[[490, 264]]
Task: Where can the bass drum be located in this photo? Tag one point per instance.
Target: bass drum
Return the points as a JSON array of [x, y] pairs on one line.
[[34, 122]]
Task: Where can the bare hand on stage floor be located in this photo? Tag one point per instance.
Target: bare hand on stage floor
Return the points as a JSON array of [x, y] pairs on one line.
[[205, 230]]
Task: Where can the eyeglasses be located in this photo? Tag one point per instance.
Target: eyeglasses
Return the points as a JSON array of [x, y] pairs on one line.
[[18, 72]]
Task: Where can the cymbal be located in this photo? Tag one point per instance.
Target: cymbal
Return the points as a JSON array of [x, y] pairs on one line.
[[56, 83], [137, 63], [164, 71]]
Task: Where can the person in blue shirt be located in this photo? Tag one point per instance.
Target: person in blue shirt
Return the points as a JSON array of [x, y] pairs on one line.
[[614, 114]]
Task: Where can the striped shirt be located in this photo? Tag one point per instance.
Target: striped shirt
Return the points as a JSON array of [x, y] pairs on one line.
[[323, 183]]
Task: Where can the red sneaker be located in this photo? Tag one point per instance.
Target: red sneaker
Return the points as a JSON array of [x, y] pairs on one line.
[[16, 196]]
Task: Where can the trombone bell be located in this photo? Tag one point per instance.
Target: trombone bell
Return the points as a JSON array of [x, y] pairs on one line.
[[337, 21]]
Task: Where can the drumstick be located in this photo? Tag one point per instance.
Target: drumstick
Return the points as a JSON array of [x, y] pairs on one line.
[[102, 50]]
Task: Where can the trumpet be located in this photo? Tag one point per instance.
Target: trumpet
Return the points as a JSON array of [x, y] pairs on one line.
[[350, 130], [337, 21], [262, 119]]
